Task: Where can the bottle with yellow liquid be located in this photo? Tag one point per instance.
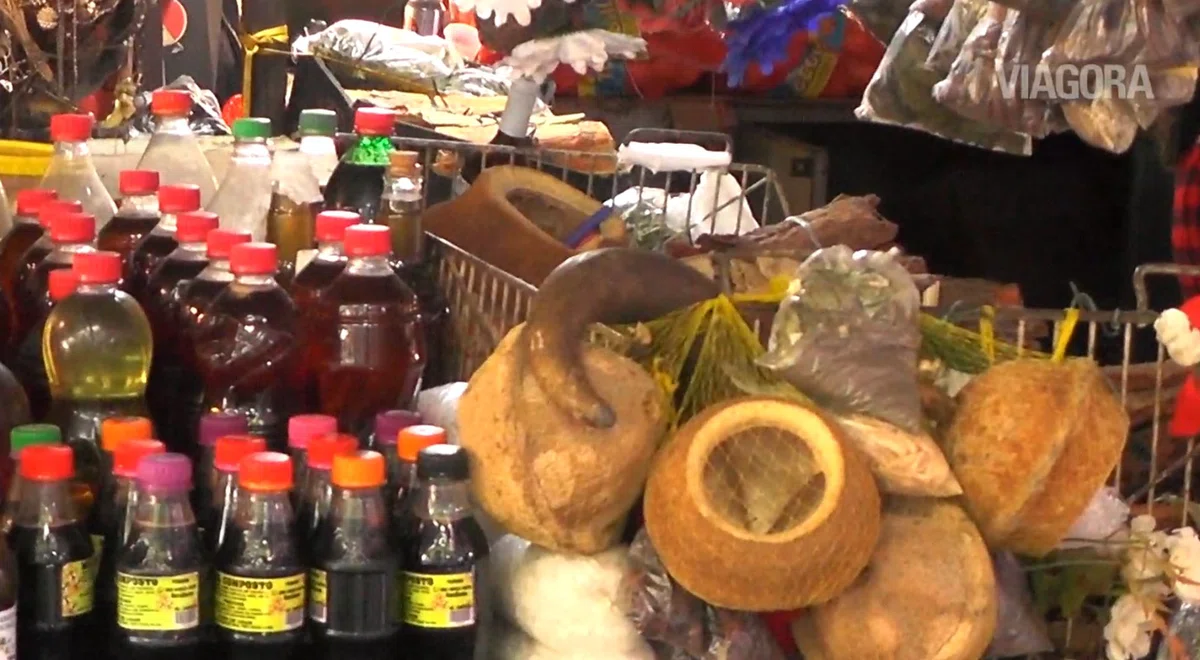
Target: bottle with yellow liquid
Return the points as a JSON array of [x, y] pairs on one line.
[[295, 202], [97, 346]]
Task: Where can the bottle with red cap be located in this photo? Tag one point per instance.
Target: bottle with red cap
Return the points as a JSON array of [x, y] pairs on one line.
[[315, 493], [173, 200], [367, 329], [38, 251], [173, 151], [137, 214], [53, 552], [72, 174], [96, 346], [216, 513], [244, 198], [25, 232], [357, 182]]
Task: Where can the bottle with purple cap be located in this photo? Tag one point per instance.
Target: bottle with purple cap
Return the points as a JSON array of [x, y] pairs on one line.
[[161, 568], [301, 430], [212, 427], [388, 425]]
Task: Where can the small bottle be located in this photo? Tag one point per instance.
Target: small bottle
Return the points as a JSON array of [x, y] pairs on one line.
[[402, 487], [213, 426], [317, 272], [23, 436], [301, 430], [72, 174], [246, 346], [136, 216], [217, 516], [114, 432], [244, 198], [260, 573], [388, 424], [295, 201], [53, 552], [352, 584], [318, 488], [161, 566], [317, 128], [160, 242], [357, 181], [513, 132], [25, 232], [425, 17], [173, 150]]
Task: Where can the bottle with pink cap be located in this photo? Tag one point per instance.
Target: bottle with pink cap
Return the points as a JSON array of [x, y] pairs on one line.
[[301, 430], [213, 426], [72, 174], [173, 151]]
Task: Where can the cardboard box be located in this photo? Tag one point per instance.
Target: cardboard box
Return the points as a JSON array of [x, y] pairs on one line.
[[801, 169]]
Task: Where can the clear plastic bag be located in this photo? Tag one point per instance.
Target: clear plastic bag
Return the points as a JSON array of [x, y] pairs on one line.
[[847, 335], [881, 17], [1020, 630], [1123, 32], [1105, 122], [960, 21]]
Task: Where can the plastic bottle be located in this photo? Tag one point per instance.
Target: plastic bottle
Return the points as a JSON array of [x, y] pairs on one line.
[[317, 272], [301, 430], [97, 348], [71, 173], [388, 424], [244, 198], [213, 426], [36, 252], [160, 242], [52, 548], [357, 181], [246, 346], [62, 283], [8, 600], [161, 566], [217, 516], [23, 436], [114, 432], [171, 369], [260, 573], [409, 443], [367, 326], [136, 215], [26, 230], [295, 202], [317, 128], [313, 503], [352, 584], [174, 151], [443, 552]]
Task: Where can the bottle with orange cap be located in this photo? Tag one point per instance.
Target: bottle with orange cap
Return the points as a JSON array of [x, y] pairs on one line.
[[260, 581], [402, 481], [173, 150], [314, 499], [71, 172], [216, 515], [114, 432], [136, 215], [55, 597], [352, 583]]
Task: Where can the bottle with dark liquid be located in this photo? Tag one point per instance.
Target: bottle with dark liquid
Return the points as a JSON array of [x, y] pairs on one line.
[[55, 593], [513, 132], [161, 568], [402, 478], [30, 259], [216, 518], [260, 572], [136, 216], [8, 602], [25, 232], [444, 560], [357, 182], [388, 425], [314, 501], [169, 371], [22, 437], [160, 242], [316, 272], [367, 325], [114, 432], [302, 429], [352, 584], [213, 426]]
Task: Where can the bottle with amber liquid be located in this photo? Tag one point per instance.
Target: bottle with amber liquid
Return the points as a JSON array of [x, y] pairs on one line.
[[513, 132], [160, 242], [136, 216], [357, 182], [25, 232], [32, 256], [295, 201]]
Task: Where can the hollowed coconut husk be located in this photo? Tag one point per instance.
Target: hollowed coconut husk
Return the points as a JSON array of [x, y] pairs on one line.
[[759, 504]]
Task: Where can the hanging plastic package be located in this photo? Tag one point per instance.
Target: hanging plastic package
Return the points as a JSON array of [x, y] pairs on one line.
[[882, 18], [1123, 32], [952, 36]]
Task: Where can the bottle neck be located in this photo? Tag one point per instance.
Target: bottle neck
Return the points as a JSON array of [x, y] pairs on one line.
[[518, 109], [72, 247], [173, 125], [46, 504], [331, 250], [97, 288], [194, 251], [264, 514], [69, 150], [370, 150], [354, 511], [217, 270], [252, 150], [166, 224], [139, 205], [124, 504], [160, 508], [255, 280], [372, 266], [442, 499], [317, 486]]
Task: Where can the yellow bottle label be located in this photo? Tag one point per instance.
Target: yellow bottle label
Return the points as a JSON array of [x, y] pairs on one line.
[[78, 595], [260, 605], [317, 595], [97, 551], [439, 601], [158, 603]]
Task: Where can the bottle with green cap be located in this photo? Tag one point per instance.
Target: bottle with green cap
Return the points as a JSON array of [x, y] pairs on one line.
[[317, 128], [244, 198], [26, 435]]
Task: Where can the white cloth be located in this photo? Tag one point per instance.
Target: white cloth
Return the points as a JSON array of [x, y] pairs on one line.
[[500, 10], [582, 51], [1176, 334]]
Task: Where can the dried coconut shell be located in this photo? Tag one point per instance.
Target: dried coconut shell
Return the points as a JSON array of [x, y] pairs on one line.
[[1031, 442], [905, 463], [929, 593], [770, 492]]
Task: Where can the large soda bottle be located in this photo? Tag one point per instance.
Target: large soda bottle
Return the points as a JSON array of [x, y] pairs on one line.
[[244, 198], [71, 173], [97, 347], [246, 346], [161, 304], [173, 151], [136, 216], [27, 263], [317, 128], [160, 242], [368, 328], [357, 182], [294, 205], [25, 232], [317, 273]]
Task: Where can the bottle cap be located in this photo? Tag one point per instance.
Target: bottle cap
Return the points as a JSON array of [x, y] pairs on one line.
[[193, 226], [265, 470], [303, 428], [443, 461], [359, 469], [170, 102], [332, 225], [411, 440], [55, 208], [367, 241], [252, 128], [388, 424], [231, 449], [31, 200], [253, 259], [181, 198], [61, 283], [129, 455], [323, 448], [215, 425], [116, 431], [71, 128], [374, 121], [316, 121], [404, 162], [137, 182], [221, 241], [29, 435], [98, 267], [47, 463], [73, 228], [165, 472]]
